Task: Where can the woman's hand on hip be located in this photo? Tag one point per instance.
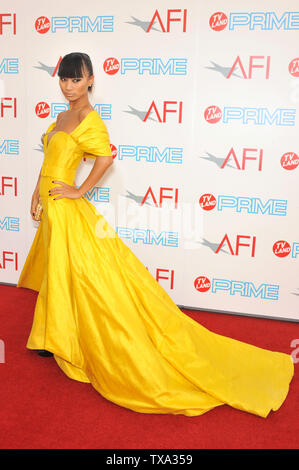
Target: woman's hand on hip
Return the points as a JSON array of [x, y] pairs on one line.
[[65, 190]]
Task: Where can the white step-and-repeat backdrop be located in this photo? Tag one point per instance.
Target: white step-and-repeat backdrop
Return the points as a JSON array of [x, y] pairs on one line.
[[201, 103]]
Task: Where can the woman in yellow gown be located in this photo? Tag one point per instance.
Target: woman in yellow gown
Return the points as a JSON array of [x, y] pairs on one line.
[[101, 313]]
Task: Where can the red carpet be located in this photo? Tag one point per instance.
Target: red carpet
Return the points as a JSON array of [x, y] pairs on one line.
[[41, 408]]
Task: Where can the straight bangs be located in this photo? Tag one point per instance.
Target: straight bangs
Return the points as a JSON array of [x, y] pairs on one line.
[[71, 66]]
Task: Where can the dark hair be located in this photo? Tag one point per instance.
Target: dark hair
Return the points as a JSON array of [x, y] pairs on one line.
[[72, 64]]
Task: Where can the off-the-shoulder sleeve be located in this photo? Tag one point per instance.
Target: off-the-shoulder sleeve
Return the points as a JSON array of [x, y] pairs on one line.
[[93, 139], [51, 126]]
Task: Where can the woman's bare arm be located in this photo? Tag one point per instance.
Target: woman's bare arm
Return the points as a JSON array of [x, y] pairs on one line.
[[35, 197], [100, 166], [36, 191]]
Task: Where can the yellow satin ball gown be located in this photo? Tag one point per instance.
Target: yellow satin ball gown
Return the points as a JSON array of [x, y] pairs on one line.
[[108, 321]]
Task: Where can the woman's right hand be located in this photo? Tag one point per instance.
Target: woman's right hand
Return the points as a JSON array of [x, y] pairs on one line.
[[34, 201]]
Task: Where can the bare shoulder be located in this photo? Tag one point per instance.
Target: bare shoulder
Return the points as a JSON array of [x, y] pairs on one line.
[[84, 112], [60, 115]]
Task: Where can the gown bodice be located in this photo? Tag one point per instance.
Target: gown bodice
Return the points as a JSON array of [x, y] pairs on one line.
[[63, 151]]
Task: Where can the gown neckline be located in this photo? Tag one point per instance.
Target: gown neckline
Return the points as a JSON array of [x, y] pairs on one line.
[[64, 132]]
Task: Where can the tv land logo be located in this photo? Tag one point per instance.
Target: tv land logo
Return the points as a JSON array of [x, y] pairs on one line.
[[256, 116], [218, 21], [248, 205], [282, 249], [73, 24], [254, 21], [43, 109], [145, 65], [232, 287], [294, 67], [289, 161]]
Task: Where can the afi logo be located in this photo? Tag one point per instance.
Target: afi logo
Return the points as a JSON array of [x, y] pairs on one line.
[[10, 182], [289, 161], [294, 67], [169, 277], [238, 244], [244, 157], [8, 257], [218, 21], [8, 103], [181, 16], [251, 65], [165, 110], [42, 109], [158, 199], [8, 22]]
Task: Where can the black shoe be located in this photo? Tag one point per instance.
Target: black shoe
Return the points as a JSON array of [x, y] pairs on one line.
[[44, 353]]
